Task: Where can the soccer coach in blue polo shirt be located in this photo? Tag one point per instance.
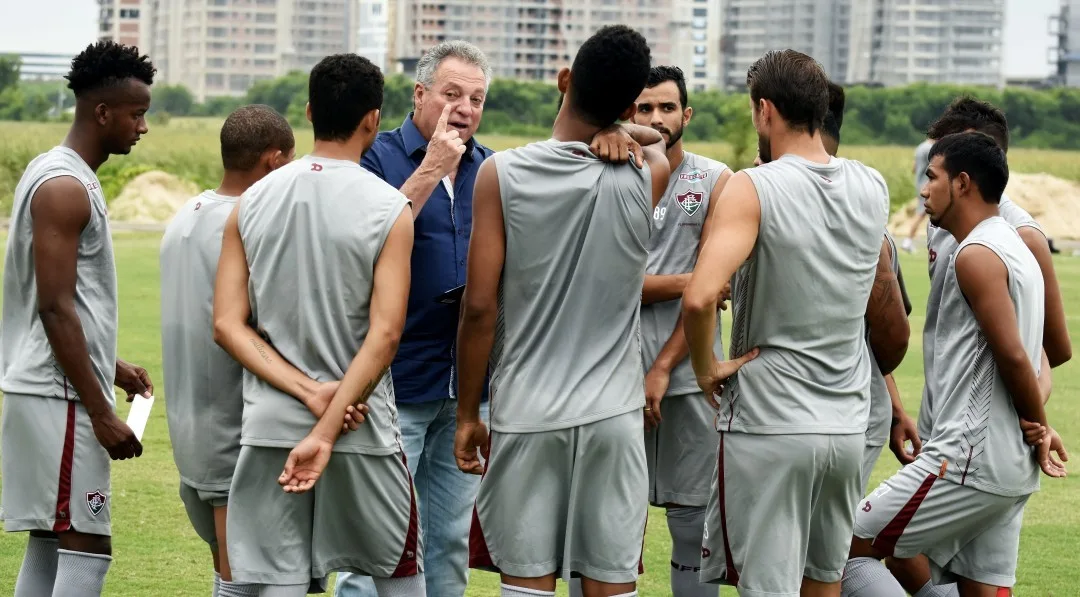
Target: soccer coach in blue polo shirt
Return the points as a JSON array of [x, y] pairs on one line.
[[433, 159]]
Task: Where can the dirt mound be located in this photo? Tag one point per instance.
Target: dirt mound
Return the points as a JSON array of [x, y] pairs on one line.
[[1053, 201], [151, 198]]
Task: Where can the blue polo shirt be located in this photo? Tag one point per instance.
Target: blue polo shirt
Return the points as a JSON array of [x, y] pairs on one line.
[[424, 367]]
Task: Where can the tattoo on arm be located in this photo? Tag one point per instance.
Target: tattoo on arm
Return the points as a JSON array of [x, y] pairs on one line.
[[370, 387], [261, 348]]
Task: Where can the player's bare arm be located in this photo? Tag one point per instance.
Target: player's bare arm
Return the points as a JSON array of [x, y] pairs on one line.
[[658, 377], [133, 379], [60, 209], [232, 311], [732, 236], [389, 299], [676, 348], [885, 315], [617, 142], [444, 151], [983, 279], [1046, 381], [659, 288], [1056, 340], [480, 306], [903, 427]]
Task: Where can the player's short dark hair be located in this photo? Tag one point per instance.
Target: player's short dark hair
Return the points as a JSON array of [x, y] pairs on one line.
[[795, 83], [342, 89], [609, 72], [980, 156], [834, 118], [967, 113], [663, 74], [251, 130], [105, 64]]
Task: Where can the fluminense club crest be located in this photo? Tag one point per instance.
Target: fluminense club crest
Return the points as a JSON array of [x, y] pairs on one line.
[[690, 201], [95, 501]]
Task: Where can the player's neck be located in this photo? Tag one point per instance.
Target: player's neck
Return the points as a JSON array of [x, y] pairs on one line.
[[675, 155], [967, 220], [569, 127], [351, 150], [233, 183], [800, 144], [83, 141]]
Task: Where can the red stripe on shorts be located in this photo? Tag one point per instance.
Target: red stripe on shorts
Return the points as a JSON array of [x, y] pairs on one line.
[[886, 540], [732, 575], [407, 564], [62, 516], [641, 555], [479, 556]]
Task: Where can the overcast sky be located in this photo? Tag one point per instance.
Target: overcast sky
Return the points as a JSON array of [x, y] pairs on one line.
[[73, 24]]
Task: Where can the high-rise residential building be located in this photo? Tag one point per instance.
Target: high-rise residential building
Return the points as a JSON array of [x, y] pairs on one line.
[[120, 21], [939, 41], [1066, 58], [888, 42], [533, 39], [221, 47], [373, 35], [750, 28]]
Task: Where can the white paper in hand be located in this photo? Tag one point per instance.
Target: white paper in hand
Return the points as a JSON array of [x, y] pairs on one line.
[[139, 414]]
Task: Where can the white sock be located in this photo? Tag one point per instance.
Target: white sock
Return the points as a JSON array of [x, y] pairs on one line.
[[217, 583], [80, 574], [405, 586], [932, 590], [38, 570], [632, 594], [510, 591], [868, 577], [282, 590], [237, 589], [687, 527]]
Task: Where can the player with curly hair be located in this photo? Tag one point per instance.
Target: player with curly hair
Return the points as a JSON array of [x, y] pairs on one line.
[[557, 259], [58, 359]]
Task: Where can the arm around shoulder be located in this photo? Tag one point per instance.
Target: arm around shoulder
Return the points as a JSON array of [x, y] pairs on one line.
[[659, 169]]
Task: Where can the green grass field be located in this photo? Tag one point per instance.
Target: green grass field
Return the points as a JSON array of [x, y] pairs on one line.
[[157, 552]]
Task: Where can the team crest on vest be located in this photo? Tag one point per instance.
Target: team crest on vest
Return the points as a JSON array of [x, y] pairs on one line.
[[690, 201], [95, 501], [694, 174]]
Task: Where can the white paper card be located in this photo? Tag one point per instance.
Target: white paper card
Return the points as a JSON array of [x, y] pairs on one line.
[[139, 414]]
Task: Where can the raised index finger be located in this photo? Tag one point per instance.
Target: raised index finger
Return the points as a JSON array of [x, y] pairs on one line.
[[443, 119]]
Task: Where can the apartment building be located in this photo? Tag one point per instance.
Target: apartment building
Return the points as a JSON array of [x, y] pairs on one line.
[[889, 42], [222, 47], [41, 66], [533, 39], [373, 35], [120, 21], [939, 41], [1066, 56], [820, 28]]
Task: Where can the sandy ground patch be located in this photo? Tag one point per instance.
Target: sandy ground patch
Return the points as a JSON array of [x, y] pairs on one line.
[[1053, 201], [151, 198]]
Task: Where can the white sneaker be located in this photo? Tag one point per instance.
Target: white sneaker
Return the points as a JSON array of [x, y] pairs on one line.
[[908, 246]]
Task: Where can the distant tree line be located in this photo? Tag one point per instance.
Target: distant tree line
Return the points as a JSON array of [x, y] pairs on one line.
[[873, 116]]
